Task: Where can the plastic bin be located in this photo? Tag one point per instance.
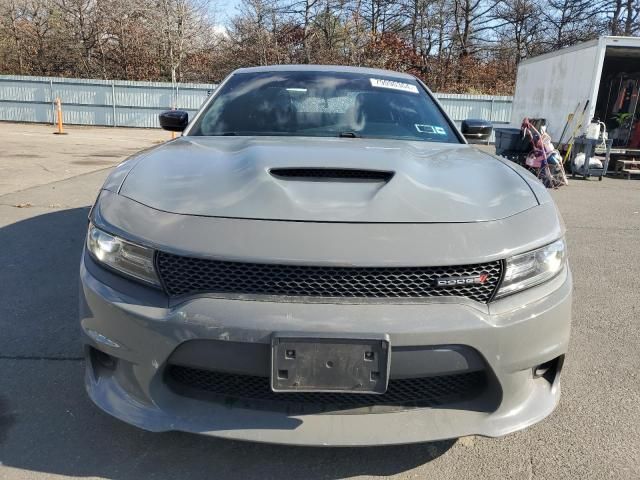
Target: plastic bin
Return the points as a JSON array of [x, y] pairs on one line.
[[511, 140]]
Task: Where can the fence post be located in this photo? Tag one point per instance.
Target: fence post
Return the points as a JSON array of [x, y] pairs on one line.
[[53, 103], [113, 102]]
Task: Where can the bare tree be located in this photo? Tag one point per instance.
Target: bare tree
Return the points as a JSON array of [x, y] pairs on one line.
[[183, 28], [454, 45], [521, 29], [573, 21], [632, 20]]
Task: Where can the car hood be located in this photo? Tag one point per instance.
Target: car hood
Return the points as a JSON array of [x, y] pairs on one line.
[[235, 177]]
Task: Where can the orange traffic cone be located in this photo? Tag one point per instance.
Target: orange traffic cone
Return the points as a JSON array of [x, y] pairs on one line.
[[59, 117]]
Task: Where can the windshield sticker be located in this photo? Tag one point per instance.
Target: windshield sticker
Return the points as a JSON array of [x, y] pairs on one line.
[[422, 128], [425, 128], [404, 87]]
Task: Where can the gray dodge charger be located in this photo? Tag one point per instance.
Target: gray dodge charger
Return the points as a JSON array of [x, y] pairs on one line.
[[322, 259]]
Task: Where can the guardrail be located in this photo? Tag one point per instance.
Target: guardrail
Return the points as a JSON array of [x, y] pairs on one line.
[[121, 103]]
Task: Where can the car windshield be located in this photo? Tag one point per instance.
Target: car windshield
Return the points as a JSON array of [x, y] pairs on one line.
[[324, 104]]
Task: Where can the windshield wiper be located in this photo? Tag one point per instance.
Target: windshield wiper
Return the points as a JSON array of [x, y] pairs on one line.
[[348, 135]]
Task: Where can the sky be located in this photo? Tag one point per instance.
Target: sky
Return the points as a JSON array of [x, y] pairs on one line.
[[223, 10]]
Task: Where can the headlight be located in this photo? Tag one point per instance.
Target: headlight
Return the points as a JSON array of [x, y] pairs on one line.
[[126, 257], [533, 268]]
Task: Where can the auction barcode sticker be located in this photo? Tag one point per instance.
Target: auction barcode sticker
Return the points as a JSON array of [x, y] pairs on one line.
[[405, 87]]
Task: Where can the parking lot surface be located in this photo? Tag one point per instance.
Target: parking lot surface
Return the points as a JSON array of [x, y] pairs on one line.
[[50, 429], [32, 155]]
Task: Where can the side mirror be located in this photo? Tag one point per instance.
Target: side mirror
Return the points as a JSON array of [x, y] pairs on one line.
[[174, 120], [476, 130]]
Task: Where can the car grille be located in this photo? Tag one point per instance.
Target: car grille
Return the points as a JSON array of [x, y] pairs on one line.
[[255, 392], [182, 275]]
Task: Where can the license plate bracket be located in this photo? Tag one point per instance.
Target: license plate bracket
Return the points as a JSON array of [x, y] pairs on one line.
[[321, 363]]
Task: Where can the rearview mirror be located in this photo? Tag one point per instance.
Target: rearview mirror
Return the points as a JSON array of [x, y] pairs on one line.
[[475, 130], [174, 120]]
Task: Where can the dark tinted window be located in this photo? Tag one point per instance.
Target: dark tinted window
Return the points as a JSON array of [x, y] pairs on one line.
[[325, 104]]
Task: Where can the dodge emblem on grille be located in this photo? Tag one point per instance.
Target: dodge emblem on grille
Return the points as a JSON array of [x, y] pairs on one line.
[[455, 281]]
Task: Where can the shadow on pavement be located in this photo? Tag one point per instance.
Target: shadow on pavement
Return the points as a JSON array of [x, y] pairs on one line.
[[39, 262], [47, 423]]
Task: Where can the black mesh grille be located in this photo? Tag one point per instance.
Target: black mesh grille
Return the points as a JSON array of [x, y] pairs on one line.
[[408, 392], [189, 275], [332, 174]]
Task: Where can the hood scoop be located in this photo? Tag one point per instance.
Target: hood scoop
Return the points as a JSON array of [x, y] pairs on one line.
[[332, 174]]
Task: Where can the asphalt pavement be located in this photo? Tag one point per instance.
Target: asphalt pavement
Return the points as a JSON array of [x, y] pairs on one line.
[[49, 428]]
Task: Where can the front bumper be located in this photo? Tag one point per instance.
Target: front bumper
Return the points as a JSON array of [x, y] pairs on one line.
[[512, 336]]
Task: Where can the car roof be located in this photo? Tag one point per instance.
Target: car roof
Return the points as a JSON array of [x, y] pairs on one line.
[[325, 68]]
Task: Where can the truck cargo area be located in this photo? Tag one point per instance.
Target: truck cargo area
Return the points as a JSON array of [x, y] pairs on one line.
[[617, 100], [600, 78]]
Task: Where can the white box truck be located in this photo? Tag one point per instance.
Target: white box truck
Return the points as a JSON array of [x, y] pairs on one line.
[[605, 72]]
